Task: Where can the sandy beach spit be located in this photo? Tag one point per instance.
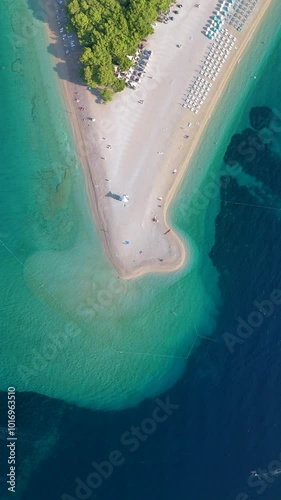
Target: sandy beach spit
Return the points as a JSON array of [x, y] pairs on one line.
[[140, 145]]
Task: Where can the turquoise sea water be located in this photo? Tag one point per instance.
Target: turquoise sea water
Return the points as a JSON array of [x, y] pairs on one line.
[[70, 328]]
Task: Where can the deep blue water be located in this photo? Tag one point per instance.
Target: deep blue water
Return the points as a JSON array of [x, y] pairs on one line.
[[228, 419]]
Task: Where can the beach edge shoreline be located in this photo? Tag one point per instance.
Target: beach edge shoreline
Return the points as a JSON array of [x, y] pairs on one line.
[[81, 150]]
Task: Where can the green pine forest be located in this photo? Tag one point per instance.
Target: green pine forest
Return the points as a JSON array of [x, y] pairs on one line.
[[109, 31]]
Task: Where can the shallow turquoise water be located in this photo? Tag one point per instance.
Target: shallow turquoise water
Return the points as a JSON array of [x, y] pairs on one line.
[[71, 329]]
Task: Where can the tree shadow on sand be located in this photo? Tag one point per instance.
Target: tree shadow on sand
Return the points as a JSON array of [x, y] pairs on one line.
[[51, 15]]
